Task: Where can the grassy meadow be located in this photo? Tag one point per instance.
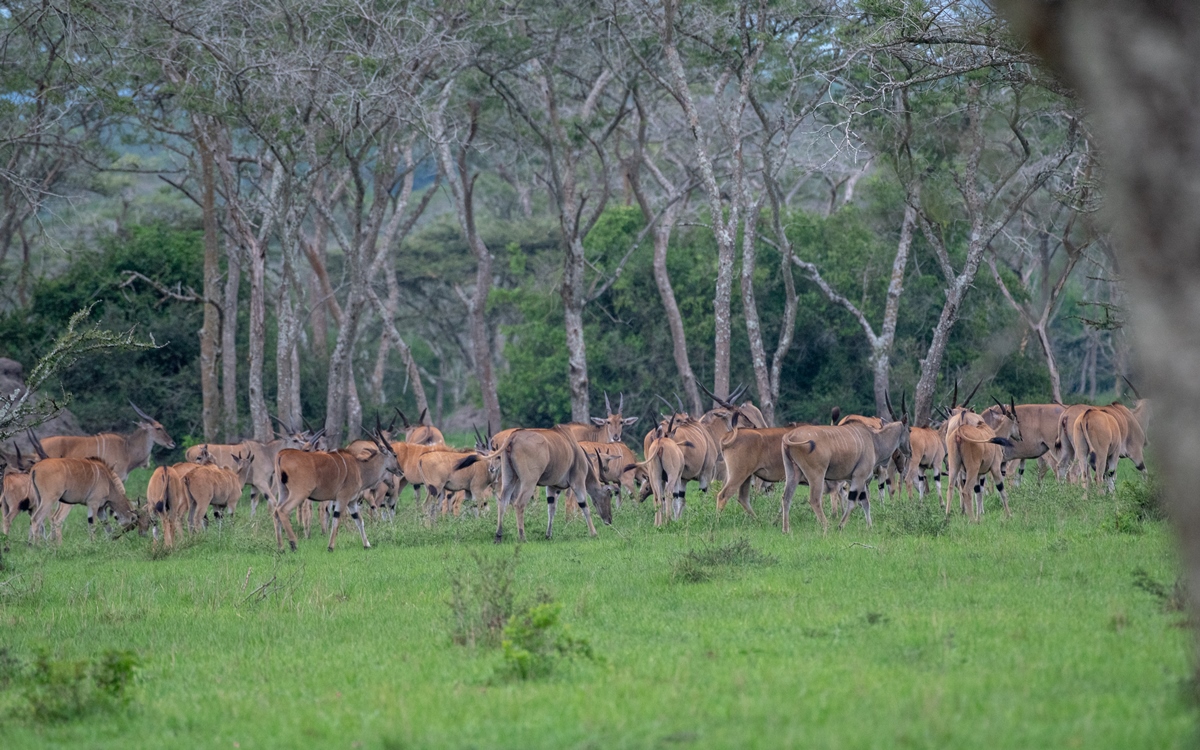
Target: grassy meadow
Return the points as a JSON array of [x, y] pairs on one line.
[[1055, 628]]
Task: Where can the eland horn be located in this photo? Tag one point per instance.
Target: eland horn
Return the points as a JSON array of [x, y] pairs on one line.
[[141, 413], [1136, 395]]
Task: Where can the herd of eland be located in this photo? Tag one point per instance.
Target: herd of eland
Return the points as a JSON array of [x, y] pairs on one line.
[[731, 444]]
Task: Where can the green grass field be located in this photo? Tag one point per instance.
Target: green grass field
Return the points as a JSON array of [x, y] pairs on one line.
[[1036, 631]]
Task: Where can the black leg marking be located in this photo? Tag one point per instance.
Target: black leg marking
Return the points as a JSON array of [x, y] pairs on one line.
[[999, 486], [337, 514]]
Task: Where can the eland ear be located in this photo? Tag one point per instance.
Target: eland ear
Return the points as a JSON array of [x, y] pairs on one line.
[[598, 421], [630, 420]]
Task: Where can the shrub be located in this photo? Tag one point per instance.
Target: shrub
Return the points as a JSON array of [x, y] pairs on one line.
[[1143, 498], [535, 641], [64, 689]]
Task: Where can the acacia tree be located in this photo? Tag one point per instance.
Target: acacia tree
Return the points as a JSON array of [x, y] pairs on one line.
[[1039, 275], [55, 120], [564, 99], [651, 151], [453, 164]]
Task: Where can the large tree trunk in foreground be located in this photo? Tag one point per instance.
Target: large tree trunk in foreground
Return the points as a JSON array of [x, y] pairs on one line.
[[1136, 63]]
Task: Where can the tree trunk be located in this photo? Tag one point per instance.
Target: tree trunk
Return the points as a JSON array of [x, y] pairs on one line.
[[229, 352], [480, 338], [462, 189], [285, 377], [1051, 362], [662, 239], [210, 330], [758, 353], [723, 229], [881, 350], [410, 365], [1135, 64], [572, 297], [259, 419], [931, 365], [381, 357], [340, 376]]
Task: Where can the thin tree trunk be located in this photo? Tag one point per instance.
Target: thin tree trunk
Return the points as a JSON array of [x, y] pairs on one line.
[[758, 353], [881, 351], [410, 365], [210, 330], [1051, 362], [381, 357], [572, 297], [723, 229], [229, 352], [259, 419], [662, 279]]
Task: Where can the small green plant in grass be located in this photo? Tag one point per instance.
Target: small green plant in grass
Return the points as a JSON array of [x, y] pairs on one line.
[[60, 690], [923, 517], [535, 641], [697, 566]]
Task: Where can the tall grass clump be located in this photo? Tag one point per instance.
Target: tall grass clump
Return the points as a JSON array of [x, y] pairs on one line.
[[699, 565], [924, 517], [482, 599]]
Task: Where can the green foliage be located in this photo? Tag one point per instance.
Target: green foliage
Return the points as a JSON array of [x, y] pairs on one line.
[[163, 380], [61, 690], [535, 641], [1138, 501], [1144, 497]]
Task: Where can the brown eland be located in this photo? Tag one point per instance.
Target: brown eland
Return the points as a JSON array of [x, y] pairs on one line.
[[60, 483], [321, 476], [123, 453], [837, 453], [532, 458]]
